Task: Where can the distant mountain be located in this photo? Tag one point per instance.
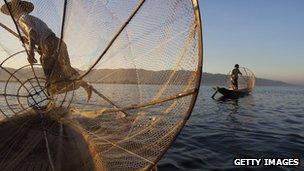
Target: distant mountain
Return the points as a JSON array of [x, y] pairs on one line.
[[132, 76], [220, 79]]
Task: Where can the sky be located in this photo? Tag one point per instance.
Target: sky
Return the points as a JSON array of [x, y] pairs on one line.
[[266, 36]]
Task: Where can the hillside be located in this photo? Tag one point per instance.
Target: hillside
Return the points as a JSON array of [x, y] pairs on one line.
[[132, 76]]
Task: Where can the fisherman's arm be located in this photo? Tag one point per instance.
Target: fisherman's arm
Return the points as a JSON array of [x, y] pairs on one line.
[[26, 25], [31, 50]]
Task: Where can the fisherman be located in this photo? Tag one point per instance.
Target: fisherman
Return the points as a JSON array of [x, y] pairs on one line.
[[60, 76], [235, 76]]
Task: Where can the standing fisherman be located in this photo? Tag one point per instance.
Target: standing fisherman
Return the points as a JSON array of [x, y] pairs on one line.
[[235, 76], [56, 66]]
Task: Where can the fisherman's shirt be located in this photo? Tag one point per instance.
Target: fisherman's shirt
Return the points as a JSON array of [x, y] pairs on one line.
[[27, 23]]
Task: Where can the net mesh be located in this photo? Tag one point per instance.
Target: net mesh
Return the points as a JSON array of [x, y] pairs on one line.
[[245, 81], [141, 59]]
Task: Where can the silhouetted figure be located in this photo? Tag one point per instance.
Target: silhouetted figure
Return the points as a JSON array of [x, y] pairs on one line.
[[235, 76], [59, 75]]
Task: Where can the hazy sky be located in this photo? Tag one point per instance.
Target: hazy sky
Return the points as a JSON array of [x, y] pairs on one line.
[[266, 36]]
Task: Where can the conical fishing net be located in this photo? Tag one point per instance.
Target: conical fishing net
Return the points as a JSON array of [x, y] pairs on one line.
[[141, 59], [245, 81]]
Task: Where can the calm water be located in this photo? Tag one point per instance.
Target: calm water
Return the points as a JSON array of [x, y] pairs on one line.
[[267, 124]]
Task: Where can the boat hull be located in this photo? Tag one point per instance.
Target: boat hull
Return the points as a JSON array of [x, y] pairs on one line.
[[233, 93]]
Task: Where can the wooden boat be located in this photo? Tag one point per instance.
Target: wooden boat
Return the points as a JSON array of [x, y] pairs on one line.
[[246, 83], [232, 93]]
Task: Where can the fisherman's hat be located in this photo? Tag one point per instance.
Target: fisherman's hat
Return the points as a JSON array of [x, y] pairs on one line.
[[16, 5]]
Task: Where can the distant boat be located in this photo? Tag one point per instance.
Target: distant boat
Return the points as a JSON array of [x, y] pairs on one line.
[[246, 84], [234, 94]]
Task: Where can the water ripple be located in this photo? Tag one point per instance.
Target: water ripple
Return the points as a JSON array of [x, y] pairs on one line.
[[267, 124]]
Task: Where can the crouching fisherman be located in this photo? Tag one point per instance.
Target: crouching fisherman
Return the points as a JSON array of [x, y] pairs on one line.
[[60, 75]]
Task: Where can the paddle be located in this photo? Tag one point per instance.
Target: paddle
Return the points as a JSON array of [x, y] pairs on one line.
[[216, 90], [9, 30]]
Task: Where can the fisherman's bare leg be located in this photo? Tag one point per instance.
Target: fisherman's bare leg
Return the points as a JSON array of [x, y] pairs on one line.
[[88, 88], [72, 73], [47, 61], [234, 84], [60, 75]]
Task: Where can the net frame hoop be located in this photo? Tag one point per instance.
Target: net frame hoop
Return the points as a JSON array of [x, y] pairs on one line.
[[199, 31], [249, 73], [198, 74]]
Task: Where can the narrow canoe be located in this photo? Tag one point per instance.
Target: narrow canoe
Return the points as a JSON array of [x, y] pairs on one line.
[[233, 93]]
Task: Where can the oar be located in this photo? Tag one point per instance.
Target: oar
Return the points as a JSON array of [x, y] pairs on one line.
[[9, 30], [16, 35], [216, 90]]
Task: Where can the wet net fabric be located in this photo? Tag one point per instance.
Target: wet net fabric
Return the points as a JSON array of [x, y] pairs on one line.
[[245, 81], [142, 60]]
